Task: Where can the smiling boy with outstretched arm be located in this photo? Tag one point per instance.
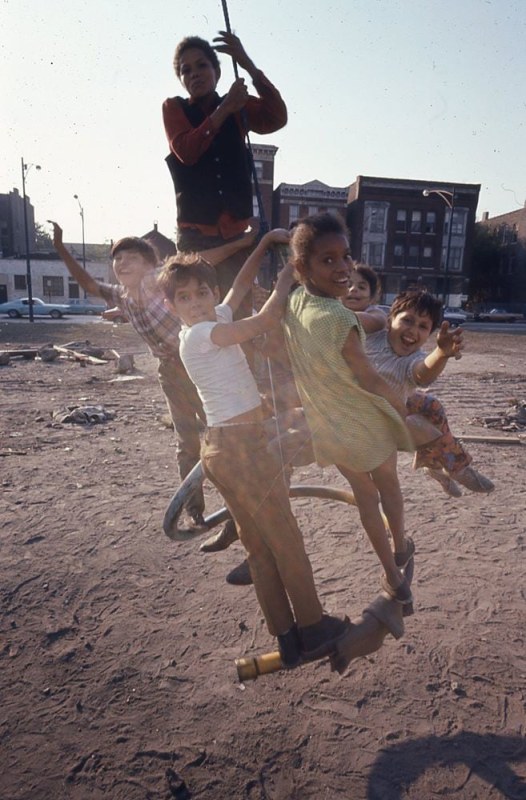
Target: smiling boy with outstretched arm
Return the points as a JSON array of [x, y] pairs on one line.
[[138, 296]]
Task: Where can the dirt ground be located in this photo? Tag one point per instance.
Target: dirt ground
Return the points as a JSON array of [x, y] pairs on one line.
[[117, 645]]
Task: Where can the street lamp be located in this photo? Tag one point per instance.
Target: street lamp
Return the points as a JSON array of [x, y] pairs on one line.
[[449, 200], [83, 239], [29, 286]]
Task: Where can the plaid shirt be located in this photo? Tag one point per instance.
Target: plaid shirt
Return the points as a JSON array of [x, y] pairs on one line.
[[149, 315]]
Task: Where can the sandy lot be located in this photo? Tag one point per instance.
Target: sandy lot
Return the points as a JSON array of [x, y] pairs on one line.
[[117, 646]]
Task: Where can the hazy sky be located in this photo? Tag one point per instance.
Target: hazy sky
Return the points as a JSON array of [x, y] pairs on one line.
[[428, 89]]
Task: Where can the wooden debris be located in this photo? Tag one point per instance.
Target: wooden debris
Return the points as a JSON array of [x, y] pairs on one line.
[[493, 439], [76, 356]]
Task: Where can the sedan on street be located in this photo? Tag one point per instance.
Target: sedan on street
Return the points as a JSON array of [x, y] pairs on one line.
[[498, 315], [20, 308]]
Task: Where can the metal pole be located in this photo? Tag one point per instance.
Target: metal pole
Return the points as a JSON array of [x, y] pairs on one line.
[[83, 237], [448, 248], [29, 286]]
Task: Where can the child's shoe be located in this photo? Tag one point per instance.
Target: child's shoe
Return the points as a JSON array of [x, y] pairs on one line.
[[403, 558], [220, 541], [447, 483], [473, 480], [319, 640], [401, 593], [240, 575], [289, 646]]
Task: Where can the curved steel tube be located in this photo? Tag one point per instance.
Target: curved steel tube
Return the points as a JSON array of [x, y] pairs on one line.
[[196, 477]]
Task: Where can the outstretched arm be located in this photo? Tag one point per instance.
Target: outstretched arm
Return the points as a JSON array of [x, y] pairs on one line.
[[242, 330], [215, 255], [449, 345], [78, 272], [373, 320], [248, 272]]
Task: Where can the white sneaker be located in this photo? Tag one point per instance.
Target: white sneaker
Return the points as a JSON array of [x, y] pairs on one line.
[[448, 484], [474, 481]]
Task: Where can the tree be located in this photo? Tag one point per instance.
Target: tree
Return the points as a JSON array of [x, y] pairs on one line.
[[484, 278], [43, 241]]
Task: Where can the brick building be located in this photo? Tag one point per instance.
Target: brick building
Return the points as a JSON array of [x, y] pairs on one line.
[[509, 233], [401, 228], [293, 201], [264, 155], [12, 232]]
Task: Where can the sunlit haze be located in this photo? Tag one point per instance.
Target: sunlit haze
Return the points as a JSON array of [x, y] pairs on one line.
[[430, 89]]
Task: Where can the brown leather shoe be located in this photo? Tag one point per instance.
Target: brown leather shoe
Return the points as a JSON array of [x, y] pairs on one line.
[[222, 540]]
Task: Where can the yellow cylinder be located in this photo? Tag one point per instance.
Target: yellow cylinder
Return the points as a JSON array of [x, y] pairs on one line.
[[248, 669]]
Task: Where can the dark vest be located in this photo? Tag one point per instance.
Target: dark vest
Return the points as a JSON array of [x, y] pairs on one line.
[[219, 181]]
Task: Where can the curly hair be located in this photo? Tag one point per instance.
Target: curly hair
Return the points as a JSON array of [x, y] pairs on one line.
[[181, 268], [308, 230], [201, 44], [421, 302]]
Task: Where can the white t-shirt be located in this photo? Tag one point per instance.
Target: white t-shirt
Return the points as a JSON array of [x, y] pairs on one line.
[[222, 376]]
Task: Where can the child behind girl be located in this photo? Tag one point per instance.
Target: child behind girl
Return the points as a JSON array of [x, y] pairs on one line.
[[356, 419], [444, 459]]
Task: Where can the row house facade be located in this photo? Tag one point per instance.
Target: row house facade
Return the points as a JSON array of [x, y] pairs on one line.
[[414, 232]]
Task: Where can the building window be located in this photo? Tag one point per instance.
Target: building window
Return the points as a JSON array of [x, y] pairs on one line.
[[414, 256], [431, 222], [373, 254], [313, 210], [455, 259], [459, 222], [427, 256], [294, 213], [20, 283], [375, 217], [416, 221], [53, 285], [73, 290], [255, 206], [258, 166], [401, 220], [399, 255]]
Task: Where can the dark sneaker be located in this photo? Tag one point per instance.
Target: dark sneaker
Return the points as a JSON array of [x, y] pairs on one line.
[[240, 575], [402, 593], [403, 559], [319, 640], [289, 647], [220, 541], [473, 480]]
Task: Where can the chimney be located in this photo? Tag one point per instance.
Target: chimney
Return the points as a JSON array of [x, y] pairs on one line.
[[485, 216], [155, 226]]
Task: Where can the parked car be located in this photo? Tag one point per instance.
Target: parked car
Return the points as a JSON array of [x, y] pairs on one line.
[[20, 308], [498, 315], [85, 307], [455, 316]]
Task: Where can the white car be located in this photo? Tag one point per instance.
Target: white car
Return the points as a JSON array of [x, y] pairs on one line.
[[20, 308], [455, 316]]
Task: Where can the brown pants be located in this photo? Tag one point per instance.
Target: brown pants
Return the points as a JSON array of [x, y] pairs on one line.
[[188, 417], [236, 460]]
